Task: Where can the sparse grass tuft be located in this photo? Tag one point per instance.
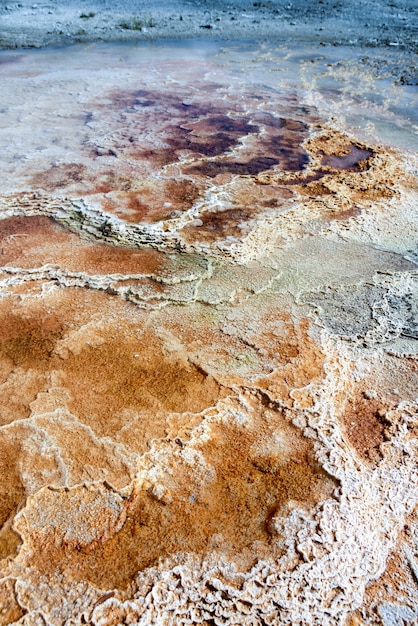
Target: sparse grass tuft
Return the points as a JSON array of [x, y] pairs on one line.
[[132, 24], [136, 23]]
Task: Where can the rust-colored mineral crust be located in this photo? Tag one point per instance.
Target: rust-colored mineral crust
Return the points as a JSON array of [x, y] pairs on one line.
[[208, 351]]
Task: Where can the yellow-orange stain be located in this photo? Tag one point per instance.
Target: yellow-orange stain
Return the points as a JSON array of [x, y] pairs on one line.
[[230, 514]]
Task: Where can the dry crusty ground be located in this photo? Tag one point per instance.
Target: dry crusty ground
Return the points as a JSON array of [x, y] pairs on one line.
[[377, 23]]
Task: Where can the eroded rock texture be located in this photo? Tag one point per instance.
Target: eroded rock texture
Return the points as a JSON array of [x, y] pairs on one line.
[[208, 339]]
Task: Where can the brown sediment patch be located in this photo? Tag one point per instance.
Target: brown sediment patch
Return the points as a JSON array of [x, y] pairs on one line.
[[306, 181], [12, 493], [123, 189], [35, 241], [163, 103], [24, 226], [261, 345], [10, 609], [125, 369], [210, 136], [284, 139], [354, 211], [10, 541], [212, 225], [134, 201], [259, 469], [227, 510], [399, 377], [19, 236], [26, 340], [28, 335], [18, 389], [131, 372], [285, 342], [365, 425], [154, 200], [211, 169], [312, 186], [248, 201], [64, 175], [103, 259], [133, 206], [274, 196], [182, 193]]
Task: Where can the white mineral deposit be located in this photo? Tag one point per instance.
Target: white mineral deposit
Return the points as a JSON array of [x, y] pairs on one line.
[[209, 313]]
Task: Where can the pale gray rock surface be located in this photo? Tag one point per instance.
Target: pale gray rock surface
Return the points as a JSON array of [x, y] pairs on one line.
[[375, 23]]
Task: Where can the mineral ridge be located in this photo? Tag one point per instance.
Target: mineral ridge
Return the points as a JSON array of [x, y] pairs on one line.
[[208, 342]]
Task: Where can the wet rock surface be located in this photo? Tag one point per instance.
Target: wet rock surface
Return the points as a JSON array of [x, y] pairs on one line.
[[208, 339]]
